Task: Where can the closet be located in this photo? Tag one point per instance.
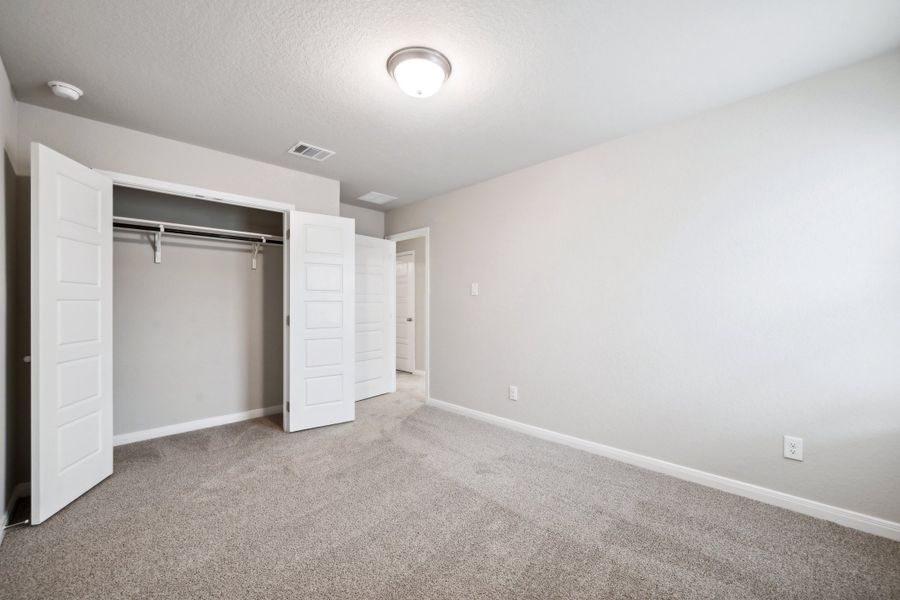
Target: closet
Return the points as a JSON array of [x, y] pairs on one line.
[[225, 263], [197, 304]]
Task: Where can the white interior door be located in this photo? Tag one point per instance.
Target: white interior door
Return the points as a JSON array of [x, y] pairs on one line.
[[321, 355], [375, 309], [71, 331], [406, 312]]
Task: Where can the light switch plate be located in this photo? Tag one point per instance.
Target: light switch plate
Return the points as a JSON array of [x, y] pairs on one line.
[[474, 289]]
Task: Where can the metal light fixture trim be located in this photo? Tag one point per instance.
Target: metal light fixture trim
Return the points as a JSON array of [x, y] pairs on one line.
[[420, 53]]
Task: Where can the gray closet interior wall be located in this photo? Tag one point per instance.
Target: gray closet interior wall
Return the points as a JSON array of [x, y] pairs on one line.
[[200, 334]]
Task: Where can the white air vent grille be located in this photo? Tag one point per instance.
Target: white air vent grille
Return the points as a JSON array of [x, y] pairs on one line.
[[311, 152], [376, 198]]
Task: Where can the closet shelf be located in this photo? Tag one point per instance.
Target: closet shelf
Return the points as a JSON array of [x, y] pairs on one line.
[[166, 228], [160, 228]]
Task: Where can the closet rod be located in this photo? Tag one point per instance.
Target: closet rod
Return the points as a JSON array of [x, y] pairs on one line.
[[166, 228]]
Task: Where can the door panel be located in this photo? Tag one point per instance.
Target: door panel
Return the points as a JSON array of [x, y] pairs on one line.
[[406, 312], [71, 333], [375, 308], [321, 298]]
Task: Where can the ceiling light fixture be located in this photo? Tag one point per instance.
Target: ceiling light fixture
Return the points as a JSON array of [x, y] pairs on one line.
[[65, 90], [420, 72]]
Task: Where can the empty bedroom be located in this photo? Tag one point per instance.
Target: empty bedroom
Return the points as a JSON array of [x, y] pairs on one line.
[[425, 300]]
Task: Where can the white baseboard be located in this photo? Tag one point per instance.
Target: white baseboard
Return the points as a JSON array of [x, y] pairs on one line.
[[841, 516], [21, 490], [149, 434]]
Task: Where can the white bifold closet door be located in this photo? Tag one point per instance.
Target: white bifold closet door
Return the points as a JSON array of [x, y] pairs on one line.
[[321, 356], [375, 310], [71, 331]]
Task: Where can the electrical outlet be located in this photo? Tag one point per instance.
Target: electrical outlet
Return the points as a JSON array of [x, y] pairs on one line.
[[474, 289], [793, 447], [513, 392]]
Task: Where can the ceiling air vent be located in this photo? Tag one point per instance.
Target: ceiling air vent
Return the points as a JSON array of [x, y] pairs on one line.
[[311, 152], [376, 198]]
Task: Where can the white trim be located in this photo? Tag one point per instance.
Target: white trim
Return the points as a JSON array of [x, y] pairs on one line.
[[167, 187], [412, 234], [418, 372], [21, 490], [841, 516], [409, 235], [149, 434]]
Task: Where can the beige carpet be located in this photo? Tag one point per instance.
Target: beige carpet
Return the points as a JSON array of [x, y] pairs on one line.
[[412, 502]]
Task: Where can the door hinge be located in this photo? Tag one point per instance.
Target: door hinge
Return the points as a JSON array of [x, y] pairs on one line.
[[287, 406], [287, 234], [287, 320]]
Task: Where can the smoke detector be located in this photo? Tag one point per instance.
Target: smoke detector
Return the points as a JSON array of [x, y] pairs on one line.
[[376, 198], [311, 152], [65, 90]]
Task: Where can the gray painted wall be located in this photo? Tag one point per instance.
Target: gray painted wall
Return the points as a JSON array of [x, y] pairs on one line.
[[695, 291], [19, 338], [417, 245], [8, 406], [108, 147], [368, 222], [196, 336]]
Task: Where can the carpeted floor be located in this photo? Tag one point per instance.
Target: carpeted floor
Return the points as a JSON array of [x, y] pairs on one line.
[[412, 502]]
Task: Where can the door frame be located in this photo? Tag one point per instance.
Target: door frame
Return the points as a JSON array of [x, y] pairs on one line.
[[424, 232], [178, 189], [411, 345], [188, 191]]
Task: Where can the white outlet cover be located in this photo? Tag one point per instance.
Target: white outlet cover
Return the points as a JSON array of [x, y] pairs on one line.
[[513, 392], [474, 289], [793, 447]]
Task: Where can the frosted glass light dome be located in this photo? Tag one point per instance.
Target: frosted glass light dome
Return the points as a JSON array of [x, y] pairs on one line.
[[420, 72]]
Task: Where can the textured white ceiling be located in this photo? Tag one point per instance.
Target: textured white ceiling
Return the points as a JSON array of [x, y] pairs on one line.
[[531, 80]]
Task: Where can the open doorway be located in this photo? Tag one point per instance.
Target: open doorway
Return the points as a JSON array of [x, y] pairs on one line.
[[413, 309]]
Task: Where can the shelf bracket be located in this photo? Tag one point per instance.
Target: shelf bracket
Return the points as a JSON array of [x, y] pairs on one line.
[[255, 252], [157, 245]]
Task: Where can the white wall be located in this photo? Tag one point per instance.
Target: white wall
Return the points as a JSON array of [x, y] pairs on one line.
[[368, 222], [695, 291], [417, 245], [108, 147], [8, 134]]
